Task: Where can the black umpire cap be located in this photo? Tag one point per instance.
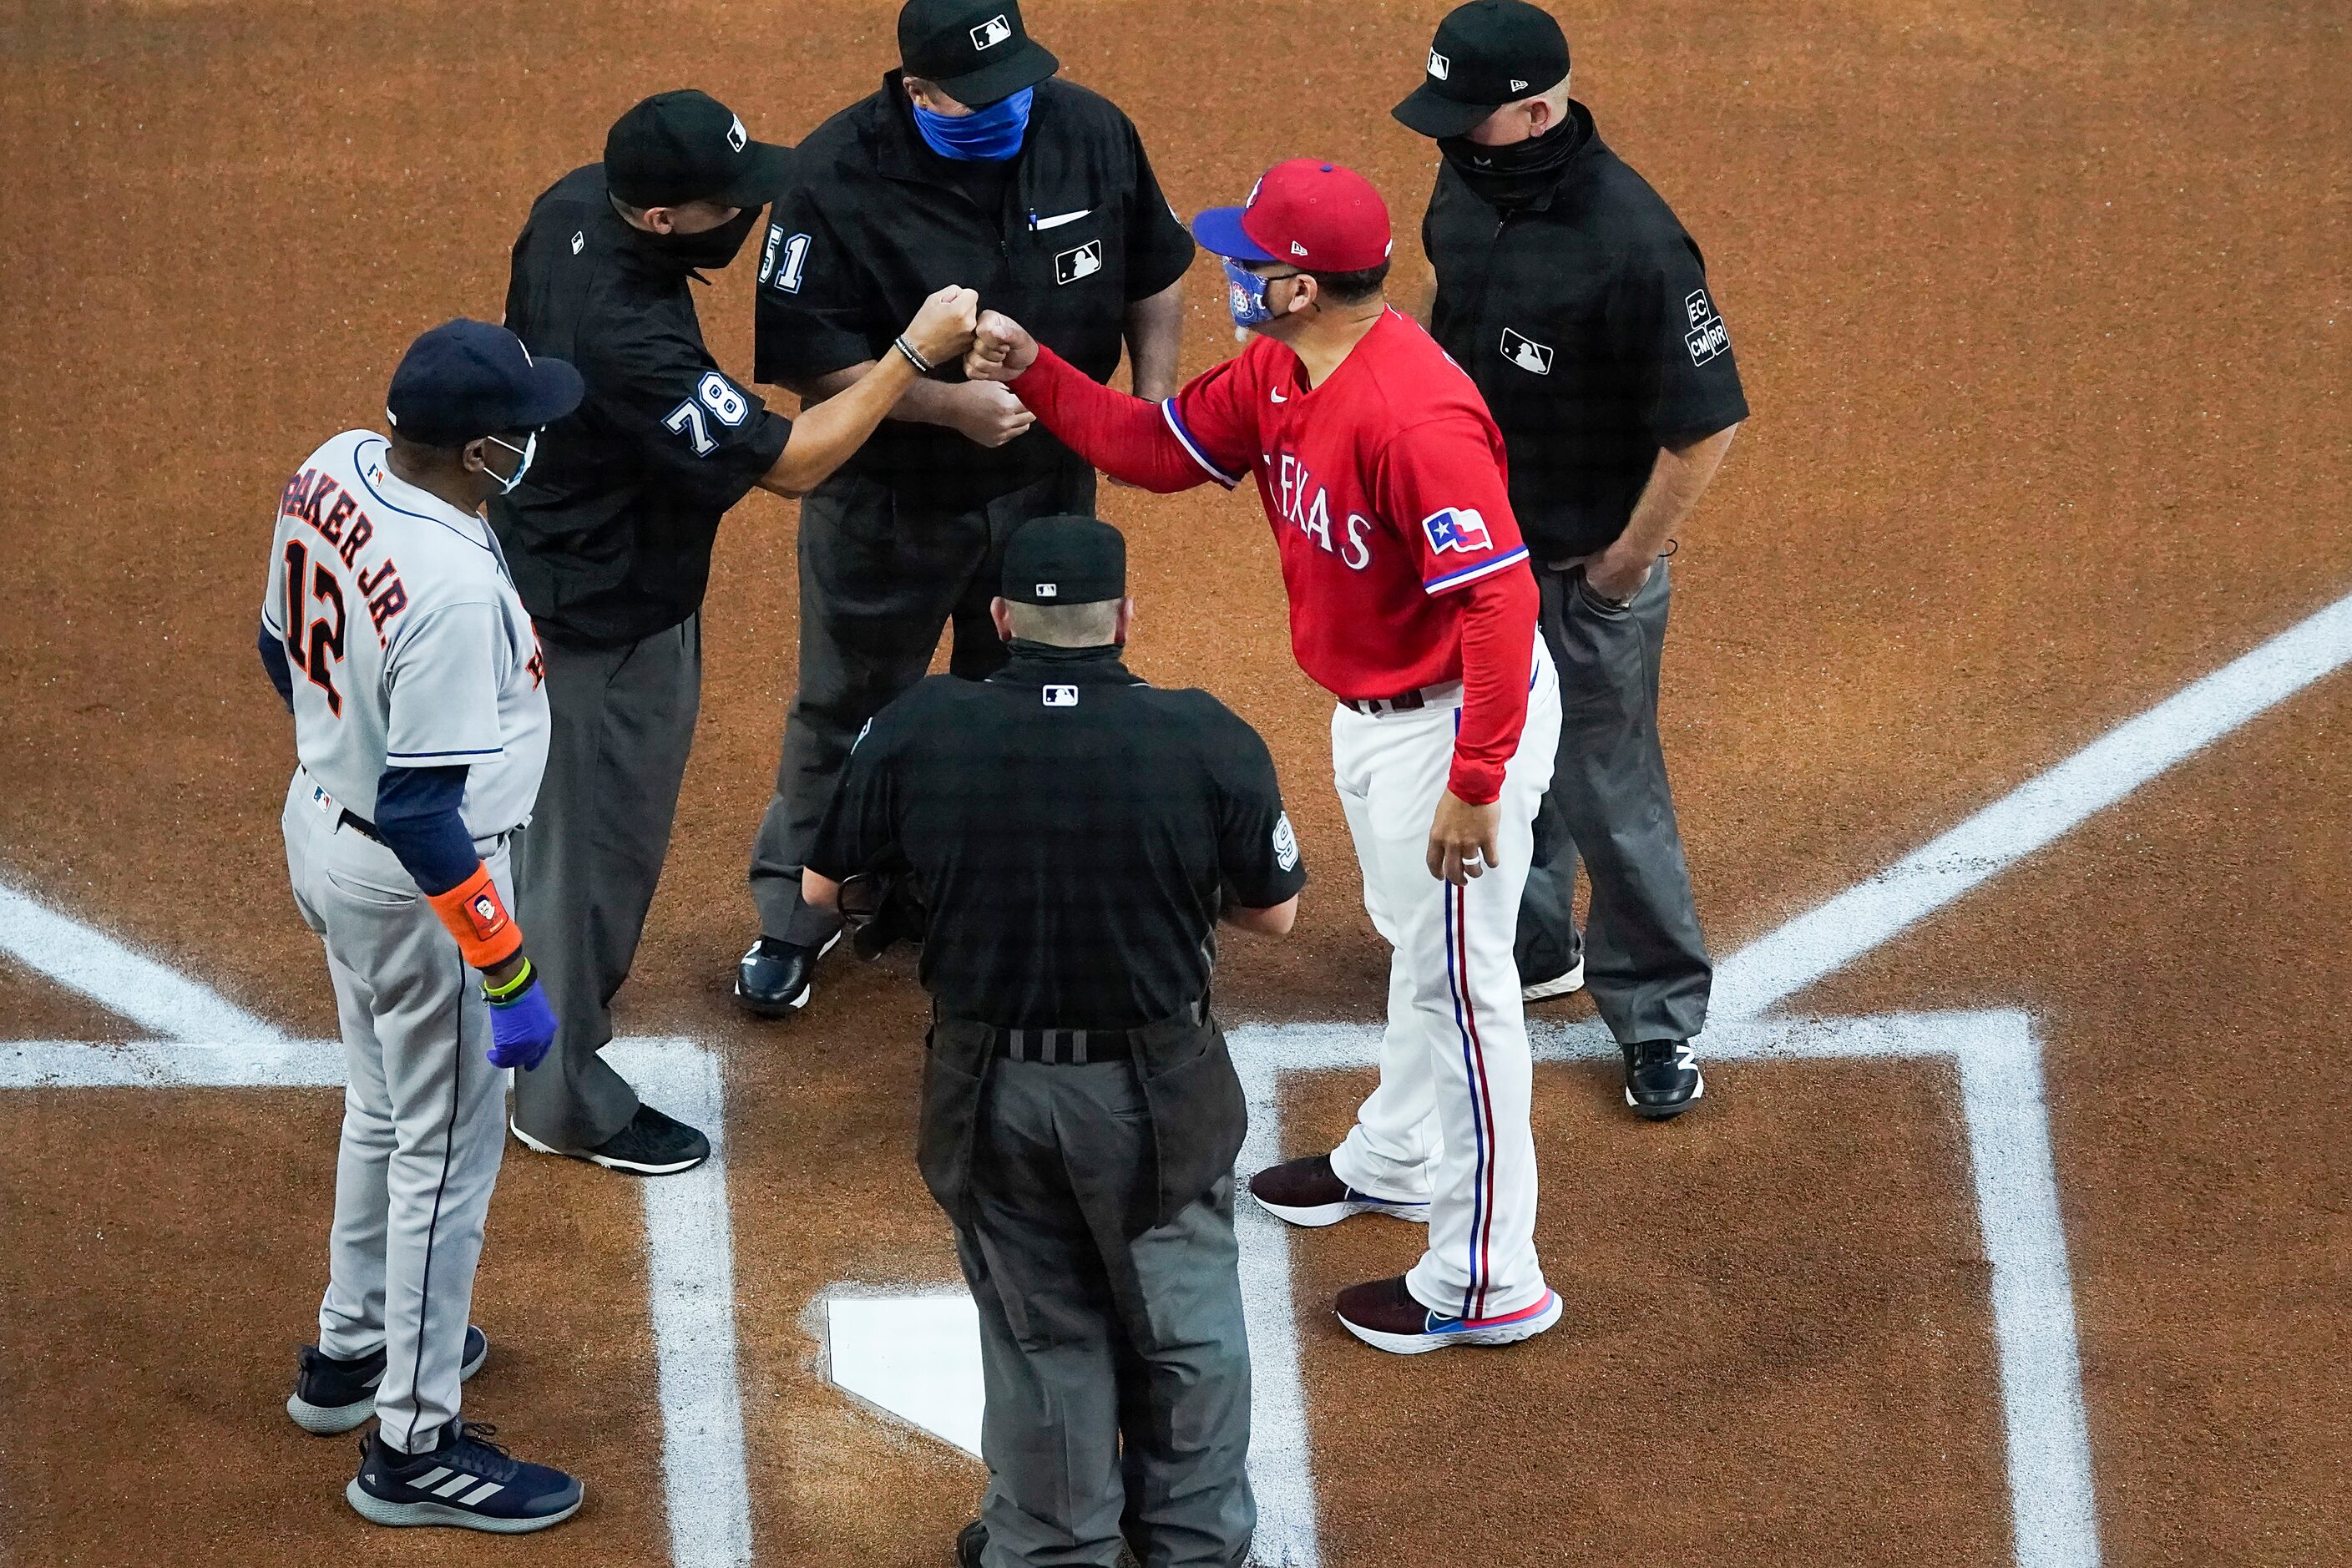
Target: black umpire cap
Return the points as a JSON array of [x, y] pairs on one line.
[[463, 380], [1486, 54], [1066, 560], [686, 146], [976, 51]]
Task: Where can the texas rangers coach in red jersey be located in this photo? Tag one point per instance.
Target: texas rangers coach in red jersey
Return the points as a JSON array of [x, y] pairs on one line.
[[1411, 602]]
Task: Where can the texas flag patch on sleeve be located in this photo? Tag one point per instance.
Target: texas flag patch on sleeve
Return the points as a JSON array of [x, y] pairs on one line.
[[1460, 528], [1457, 528]]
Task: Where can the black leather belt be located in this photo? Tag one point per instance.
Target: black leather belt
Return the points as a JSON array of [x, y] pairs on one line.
[[1407, 703], [1071, 1048], [360, 825]]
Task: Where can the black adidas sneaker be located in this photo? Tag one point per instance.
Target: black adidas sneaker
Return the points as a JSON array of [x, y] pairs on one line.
[[332, 1396], [468, 1481]]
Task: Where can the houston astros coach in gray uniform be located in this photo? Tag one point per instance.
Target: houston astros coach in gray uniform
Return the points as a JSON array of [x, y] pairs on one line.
[[1569, 292], [1076, 833]]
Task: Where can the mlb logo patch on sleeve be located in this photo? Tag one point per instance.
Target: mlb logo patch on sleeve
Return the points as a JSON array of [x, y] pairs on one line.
[[1457, 528]]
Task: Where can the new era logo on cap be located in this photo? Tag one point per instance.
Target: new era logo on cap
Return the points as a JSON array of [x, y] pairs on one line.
[[1296, 249], [991, 33]]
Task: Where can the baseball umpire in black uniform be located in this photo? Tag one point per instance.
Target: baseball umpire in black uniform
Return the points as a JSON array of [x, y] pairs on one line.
[[973, 165], [609, 540], [1075, 834], [1568, 290]]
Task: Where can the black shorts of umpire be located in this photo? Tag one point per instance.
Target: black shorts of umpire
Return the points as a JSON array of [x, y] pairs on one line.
[[1090, 1180]]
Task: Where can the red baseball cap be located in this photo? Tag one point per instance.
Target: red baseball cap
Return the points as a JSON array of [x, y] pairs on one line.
[[1317, 216]]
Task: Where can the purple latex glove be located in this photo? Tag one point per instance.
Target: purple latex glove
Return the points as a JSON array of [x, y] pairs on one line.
[[521, 1028]]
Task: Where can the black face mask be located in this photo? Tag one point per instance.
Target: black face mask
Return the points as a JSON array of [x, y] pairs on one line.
[[1516, 174], [713, 247]]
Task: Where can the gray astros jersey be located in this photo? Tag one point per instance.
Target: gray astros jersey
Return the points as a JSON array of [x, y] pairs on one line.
[[406, 642]]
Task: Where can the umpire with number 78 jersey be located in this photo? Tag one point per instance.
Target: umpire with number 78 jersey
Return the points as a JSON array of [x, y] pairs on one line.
[[1569, 292]]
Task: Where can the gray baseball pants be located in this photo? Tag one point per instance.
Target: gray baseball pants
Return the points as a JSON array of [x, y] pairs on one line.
[[1116, 1368], [1645, 961], [879, 580], [622, 724], [424, 1118]]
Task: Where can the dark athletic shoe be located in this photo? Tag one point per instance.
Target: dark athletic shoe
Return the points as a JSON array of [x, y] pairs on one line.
[[1386, 1315], [1570, 979], [973, 1540], [651, 1145], [332, 1396], [468, 1481], [1662, 1078], [774, 979], [1307, 1193]]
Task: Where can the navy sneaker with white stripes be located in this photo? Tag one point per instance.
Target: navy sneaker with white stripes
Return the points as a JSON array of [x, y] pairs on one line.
[[468, 1481], [1385, 1315], [332, 1396]]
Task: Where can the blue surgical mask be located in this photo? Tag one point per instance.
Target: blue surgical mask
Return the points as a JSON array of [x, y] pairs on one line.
[[988, 135], [1245, 296], [527, 451]]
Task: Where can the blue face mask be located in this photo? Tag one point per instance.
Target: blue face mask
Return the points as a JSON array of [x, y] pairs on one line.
[[1245, 296], [988, 135]]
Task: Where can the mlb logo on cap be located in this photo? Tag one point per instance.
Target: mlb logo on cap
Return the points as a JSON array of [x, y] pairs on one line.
[[991, 33], [1457, 528]]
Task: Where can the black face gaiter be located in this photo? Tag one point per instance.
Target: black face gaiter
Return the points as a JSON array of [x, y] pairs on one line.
[[713, 247], [1516, 174]]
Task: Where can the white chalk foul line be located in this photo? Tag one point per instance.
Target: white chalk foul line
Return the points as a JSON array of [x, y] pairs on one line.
[[689, 1251], [1816, 943], [151, 994], [2016, 1190]]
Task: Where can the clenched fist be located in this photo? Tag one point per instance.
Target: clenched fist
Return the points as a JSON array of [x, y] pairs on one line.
[[942, 328], [1001, 348]]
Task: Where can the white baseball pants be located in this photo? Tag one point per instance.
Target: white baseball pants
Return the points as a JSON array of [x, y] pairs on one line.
[[424, 1118], [1448, 1124]]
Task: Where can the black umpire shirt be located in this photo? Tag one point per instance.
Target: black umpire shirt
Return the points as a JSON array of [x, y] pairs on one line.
[[1062, 237], [1073, 831], [1585, 319], [609, 535]]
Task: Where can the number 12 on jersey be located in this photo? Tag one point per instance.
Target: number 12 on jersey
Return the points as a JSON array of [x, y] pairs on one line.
[[716, 393], [312, 645]]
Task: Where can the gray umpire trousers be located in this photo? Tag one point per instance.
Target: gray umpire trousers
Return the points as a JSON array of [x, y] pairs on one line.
[[880, 580], [1116, 1368], [622, 724], [424, 1118], [1645, 961]]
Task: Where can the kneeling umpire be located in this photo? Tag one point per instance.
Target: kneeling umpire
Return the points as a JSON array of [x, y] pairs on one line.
[[1074, 833]]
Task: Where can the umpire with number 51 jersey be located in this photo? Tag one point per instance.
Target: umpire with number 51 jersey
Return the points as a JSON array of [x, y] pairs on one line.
[[1569, 292], [972, 164]]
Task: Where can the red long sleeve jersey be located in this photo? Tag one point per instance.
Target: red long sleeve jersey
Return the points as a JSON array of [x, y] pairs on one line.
[[1386, 490]]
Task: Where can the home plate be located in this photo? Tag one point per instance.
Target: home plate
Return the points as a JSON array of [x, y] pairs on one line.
[[915, 1356]]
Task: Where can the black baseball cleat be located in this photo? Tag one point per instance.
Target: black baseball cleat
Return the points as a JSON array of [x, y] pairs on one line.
[[971, 1543], [332, 1396], [774, 979], [466, 1481], [1662, 1078], [650, 1144]]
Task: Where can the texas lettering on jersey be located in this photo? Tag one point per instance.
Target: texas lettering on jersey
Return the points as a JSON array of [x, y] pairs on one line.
[[1312, 517]]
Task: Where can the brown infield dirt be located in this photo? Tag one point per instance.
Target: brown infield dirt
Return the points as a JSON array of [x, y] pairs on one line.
[[2042, 310]]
